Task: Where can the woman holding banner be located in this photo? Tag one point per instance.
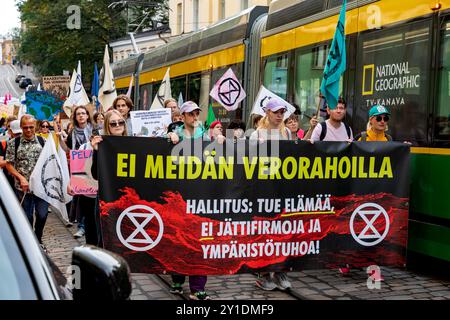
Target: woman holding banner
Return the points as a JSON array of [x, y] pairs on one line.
[[114, 125], [272, 127]]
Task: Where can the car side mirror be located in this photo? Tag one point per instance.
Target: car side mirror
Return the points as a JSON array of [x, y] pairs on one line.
[[102, 275]]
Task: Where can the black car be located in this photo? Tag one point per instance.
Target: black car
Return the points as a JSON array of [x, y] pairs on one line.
[[25, 82], [19, 77], [26, 272]]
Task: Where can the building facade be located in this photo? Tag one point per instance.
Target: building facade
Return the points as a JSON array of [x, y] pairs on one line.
[[8, 55], [191, 15]]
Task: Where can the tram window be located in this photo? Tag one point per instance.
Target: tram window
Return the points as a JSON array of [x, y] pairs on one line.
[[276, 74], [442, 116], [392, 73], [145, 95], [194, 84], [178, 85], [310, 64]]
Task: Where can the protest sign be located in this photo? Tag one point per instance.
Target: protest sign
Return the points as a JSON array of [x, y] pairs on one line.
[[150, 123], [81, 179], [57, 85], [43, 105], [227, 209]]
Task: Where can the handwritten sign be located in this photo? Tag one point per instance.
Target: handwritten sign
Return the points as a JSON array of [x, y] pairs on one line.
[[81, 179]]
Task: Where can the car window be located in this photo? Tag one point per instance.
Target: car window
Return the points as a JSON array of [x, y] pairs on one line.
[[15, 281]]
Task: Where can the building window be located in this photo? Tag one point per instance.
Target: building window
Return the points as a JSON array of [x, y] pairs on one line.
[[244, 4], [221, 9], [179, 17], [195, 15]]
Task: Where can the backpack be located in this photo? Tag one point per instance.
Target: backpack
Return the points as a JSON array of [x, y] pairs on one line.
[[324, 130], [363, 136], [17, 144]]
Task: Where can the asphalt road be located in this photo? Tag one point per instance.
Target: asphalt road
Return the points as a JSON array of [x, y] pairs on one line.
[[7, 79]]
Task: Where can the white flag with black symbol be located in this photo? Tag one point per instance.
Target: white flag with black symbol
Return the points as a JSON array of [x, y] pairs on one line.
[[264, 95], [77, 94], [228, 91], [164, 92], [50, 177], [107, 92]]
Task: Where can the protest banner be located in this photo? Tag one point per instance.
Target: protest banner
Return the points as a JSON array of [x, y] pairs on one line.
[[150, 123], [81, 179], [226, 209], [6, 110], [42, 105], [57, 85]]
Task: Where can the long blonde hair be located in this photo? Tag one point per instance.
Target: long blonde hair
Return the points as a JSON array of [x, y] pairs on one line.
[[108, 116], [264, 125]]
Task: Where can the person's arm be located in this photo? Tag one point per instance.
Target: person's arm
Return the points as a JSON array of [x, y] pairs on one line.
[[65, 143], [312, 125], [315, 136], [23, 182]]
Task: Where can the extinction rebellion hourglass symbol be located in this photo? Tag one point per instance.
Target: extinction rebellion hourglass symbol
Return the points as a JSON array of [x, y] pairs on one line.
[[139, 235]]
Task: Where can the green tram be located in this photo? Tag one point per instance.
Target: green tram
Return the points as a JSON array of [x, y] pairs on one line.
[[397, 55]]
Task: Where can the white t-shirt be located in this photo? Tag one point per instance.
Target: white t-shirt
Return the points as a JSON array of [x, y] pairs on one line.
[[267, 134], [333, 134]]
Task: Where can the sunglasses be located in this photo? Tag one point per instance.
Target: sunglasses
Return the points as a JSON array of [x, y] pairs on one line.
[[45, 127], [385, 118], [28, 128], [117, 123]]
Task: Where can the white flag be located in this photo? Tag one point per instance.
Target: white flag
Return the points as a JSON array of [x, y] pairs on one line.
[[263, 97], [130, 87], [79, 68], [39, 87], [228, 91], [180, 99], [49, 180], [164, 92], [77, 96], [107, 92]]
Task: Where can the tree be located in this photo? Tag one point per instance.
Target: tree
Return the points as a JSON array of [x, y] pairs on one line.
[[50, 43]]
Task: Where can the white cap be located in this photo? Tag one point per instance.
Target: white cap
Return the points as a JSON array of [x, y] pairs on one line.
[[189, 106], [15, 127]]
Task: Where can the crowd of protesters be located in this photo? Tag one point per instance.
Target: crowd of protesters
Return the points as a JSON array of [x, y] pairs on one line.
[[26, 138]]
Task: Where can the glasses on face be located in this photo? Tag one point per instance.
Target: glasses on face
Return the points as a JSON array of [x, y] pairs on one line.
[[115, 124], [384, 118], [28, 128]]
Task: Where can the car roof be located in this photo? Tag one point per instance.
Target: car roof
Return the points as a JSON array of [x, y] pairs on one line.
[[39, 269]]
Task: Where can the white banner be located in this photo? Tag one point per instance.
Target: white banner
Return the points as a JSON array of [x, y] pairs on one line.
[[151, 123]]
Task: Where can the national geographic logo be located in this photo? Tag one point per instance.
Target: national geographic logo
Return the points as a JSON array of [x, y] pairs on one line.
[[368, 79]]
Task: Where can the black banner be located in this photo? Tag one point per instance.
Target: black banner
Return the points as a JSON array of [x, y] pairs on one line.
[[198, 208]]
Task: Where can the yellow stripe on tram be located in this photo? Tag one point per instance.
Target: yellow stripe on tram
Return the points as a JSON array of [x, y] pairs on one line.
[[218, 59], [436, 151], [357, 20]]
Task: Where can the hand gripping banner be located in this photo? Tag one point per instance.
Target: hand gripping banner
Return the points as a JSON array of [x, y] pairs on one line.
[[204, 209]]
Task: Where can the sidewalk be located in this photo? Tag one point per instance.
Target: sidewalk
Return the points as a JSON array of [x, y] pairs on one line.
[[398, 284]]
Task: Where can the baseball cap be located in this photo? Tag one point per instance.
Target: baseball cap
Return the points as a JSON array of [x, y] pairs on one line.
[[189, 106], [274, 105], [15, 127], [377, 110]]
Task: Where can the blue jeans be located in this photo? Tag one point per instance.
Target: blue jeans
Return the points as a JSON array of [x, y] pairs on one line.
[[33, 205]]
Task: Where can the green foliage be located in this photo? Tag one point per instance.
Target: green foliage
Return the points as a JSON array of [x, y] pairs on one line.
[[48, 43]]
